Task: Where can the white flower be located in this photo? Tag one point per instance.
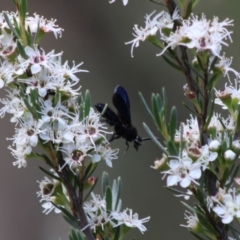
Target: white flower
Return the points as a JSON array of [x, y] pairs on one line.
[[7, 45], [183, 171], [47, 187], [95, 205], [91, 128], [105, 152], [129, 219], [191, 132], [20, 154], [44, 25], [65, 71], [152, 26], [207, 156], [224, 65], [229, 207], [37, 60], [200, 34], [192, 220], [48, 207], [75, 154]]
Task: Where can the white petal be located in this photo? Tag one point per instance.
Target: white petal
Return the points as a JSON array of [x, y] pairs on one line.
[[34, 140], [42, 92], [173, 164], [195, 173], [227, 219], [96, 158], [172, 180], [1, 83], [35, 68], [185, 182], [219, 210], [212, 156], [29, 51]]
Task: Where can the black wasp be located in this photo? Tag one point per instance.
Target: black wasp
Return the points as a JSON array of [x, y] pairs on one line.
[[122, 120]]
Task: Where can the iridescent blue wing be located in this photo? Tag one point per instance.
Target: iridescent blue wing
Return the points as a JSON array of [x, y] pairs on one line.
[[121, 102]]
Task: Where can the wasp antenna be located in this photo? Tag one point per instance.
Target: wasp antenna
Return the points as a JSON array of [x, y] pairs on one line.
[[148, 138]]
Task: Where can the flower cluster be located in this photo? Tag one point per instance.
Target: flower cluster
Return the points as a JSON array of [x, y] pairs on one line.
[[99, 217], [196, 33], [227, 205], [54, 195], [160, 23], [200, 34], [51, 110], [187, 168]]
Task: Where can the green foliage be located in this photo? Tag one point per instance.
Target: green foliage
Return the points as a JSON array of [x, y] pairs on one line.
[[76, 235]]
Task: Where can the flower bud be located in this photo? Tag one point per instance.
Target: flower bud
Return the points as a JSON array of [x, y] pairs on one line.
[[229, 155], [214, 146], [160, 164]]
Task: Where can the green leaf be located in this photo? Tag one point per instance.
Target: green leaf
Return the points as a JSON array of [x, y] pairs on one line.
[[10, 25], [50, 174], [66, 212], [72, 223], [146, 106], [21, 50], [173, 123], [189, 207], [206, 223], [174, 190], [195, 71], [154, 139], [89, 170], [81, 113], [87, 103], [213, 81], [156, 108], [117, 233], [23, 9], [172, 64], [91, 189], [76, 235], [154, 40], [164, 95], [197, 236], [116, 192], [232, 176], [47, 159], [188, 108], [210, 114], [36, 109], [105, 182], [200, 196], [172, 149], [108, 198], [237, 129], [29, 36], [213, 64]]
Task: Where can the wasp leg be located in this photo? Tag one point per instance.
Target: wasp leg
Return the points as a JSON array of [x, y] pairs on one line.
[[114, 136], [126, 149]]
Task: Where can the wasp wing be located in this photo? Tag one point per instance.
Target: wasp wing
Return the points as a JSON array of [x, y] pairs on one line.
[[121, 102], [110, 116]]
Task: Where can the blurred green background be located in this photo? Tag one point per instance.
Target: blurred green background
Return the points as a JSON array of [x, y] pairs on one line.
[[95, 32]]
